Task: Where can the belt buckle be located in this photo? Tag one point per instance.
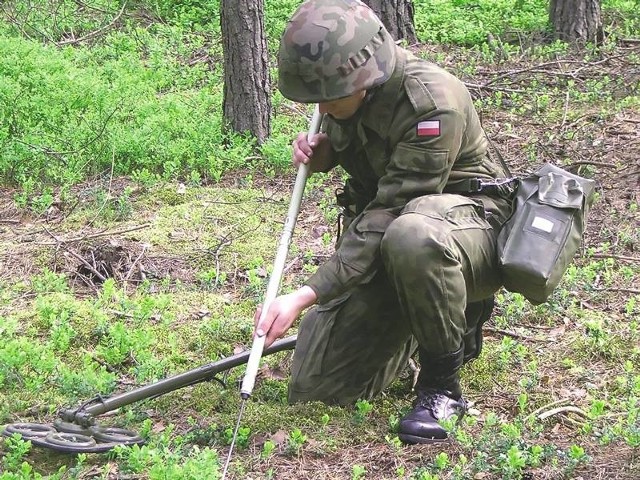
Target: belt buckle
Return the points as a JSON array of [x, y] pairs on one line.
[[476, 185]]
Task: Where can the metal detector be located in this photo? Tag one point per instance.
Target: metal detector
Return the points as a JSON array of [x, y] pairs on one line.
[[76, 430]]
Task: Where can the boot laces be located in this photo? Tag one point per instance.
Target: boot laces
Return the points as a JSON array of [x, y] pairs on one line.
[[430, 397]]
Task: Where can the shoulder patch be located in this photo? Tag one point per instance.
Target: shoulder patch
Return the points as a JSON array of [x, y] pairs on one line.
[[419, 96], [428, 128]]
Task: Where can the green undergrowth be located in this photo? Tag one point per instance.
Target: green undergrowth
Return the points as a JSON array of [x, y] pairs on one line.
[[144, 99], [60, 349], [473, 22]]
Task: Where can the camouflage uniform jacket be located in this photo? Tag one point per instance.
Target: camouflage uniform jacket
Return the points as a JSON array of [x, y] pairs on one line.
[[416, 134]]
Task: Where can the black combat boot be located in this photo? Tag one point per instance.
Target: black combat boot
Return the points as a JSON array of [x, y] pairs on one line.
[[476, 314], [439, 398]]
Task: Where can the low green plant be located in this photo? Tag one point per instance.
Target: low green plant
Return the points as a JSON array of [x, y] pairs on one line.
[[325, 419], [295, 441], [441, 461], [17, 451], [267, 449], [576, 455], [394, 441], [358, 472], [363, 409], [470, 23], [49, 281], [169, 462], [242, 437]]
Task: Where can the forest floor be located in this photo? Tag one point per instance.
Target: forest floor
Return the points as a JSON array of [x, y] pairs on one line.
[[555, 394]]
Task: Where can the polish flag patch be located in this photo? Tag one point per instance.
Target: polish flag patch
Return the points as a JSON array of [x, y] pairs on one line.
[[428, 128]]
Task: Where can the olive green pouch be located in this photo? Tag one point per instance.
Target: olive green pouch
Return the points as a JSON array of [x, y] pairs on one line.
[[537, 243]]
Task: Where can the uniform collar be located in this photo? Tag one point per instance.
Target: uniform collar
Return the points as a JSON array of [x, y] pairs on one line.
[[380, 108]]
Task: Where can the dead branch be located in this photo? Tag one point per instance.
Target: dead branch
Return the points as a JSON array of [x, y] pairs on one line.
[[514, 335], [92, 7], [86, 280], [96, 235], [532, 69], [633, 291], [476, 86], [540, 68], [548, 406], [15, 22], [291, 264], [566, 109], [135, 262], [60, 244], [616, 257], [564, 409], [97, 32], [590, 162]]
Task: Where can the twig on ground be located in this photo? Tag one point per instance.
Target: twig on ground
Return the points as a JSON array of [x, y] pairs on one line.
[[559, 407], [477, 86], [616, 257], [61, 244], [563, 409], [634, 291], [86, 280], [97, 32], [554, 404], [118, 313], [514, 335], [511, 73], [108, 195], [290, 265], [133, 265], [589, 162], [96, 235]]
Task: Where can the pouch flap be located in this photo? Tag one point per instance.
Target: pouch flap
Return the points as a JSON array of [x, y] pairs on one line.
[[587, 185], [560, 191]]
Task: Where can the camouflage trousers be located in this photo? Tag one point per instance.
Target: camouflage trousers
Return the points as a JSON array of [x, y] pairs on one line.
[[439, 256]]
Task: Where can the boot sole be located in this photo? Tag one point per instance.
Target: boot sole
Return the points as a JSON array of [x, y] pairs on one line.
[[414, 440]]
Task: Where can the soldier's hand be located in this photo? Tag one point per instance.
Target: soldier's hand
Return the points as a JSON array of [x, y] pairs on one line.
[[316, 153], [282, 313]]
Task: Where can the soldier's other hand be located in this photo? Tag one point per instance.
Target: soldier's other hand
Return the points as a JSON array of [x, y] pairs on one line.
[[315, 153]]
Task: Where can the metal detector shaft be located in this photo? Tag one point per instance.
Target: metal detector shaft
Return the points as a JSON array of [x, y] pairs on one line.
[[278, 267], [192, 377]]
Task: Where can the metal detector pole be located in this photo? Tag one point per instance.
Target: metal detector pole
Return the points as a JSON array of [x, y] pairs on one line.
[[278, 267], [257, 348]]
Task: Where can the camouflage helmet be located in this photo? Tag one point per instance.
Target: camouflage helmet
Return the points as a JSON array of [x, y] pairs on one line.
[[331, 49]]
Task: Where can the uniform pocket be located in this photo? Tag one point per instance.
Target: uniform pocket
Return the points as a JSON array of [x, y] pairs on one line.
[[457, 210], [416, 158]]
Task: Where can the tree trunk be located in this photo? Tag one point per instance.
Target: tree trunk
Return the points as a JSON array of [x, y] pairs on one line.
[[397, 17], [247, 84], [576, 21]]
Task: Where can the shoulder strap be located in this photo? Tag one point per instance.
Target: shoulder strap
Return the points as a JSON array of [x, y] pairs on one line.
[[499, 155]]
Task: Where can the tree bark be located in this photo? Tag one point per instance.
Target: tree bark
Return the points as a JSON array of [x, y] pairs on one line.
[[577, 21], [247, 84], [397, 17]]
